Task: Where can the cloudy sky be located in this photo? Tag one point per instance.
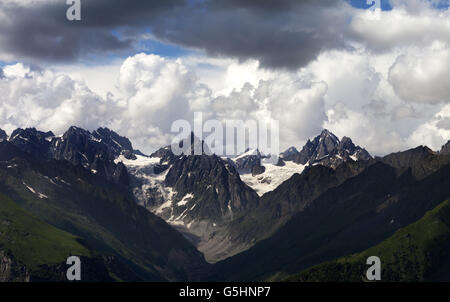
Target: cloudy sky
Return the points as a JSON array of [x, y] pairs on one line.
[[136, 66]]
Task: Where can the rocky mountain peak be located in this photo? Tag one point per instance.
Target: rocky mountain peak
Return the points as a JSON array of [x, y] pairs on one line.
[[326, 149], [326, 134], [194, 146], [419, 161], [94, 151], [30, 133], [249, 162], [3, 135], [346, 143], [324, 144], [103, 140], [32, 141], [445, 150], [190, 145], [117, 144], [215, 185], [289, 152]]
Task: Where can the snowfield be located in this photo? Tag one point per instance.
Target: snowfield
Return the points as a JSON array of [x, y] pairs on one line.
[[272, 177], [140, 161]]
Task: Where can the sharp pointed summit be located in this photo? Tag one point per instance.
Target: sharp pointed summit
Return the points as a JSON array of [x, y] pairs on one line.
[[3, 135], [326, 149], [445, 150]]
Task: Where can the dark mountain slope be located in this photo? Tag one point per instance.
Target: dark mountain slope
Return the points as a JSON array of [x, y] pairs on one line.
[[3, 135], [32, 250], [249, 162], [32, 141], [445, 150], [279, 206], [417, 252], [217, 188], [94, 151], [360, 213], [421, 160], [219, 197], [106, 216], [200, 195]]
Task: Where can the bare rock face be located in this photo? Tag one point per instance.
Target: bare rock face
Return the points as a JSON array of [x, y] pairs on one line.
[[32, 141], [249, 162], [3, 135], [10, 270], [219, 192], [326, 149], [197, 194], [94, 151], [445, 149]]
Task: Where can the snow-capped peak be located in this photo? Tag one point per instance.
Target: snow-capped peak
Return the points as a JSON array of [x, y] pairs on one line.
[[248, 152]]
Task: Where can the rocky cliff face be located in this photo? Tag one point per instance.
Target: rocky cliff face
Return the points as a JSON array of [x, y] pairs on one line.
[[94, 151], [326, 149], [420, 161], [34, 142], [445, 150], [10, 270], [352, 216], [198, 194], [204, 196], [3, 135], [217, 191], [249, 162]]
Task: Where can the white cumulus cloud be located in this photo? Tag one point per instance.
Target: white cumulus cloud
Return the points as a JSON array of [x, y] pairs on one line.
[[423, 75]]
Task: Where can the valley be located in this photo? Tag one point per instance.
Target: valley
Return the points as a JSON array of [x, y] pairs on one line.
[[204, 217]]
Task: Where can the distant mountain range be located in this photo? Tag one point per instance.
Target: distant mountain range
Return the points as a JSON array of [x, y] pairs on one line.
[[162, 217]]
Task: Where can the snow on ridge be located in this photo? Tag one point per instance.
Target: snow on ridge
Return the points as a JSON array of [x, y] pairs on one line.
[[62, 181], [168, 196], [93, 138], [40, 195], [140, 160], [251, 152], [186, 198], [272, 177], [178, 220]]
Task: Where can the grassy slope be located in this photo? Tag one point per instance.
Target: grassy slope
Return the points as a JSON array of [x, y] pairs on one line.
[[106, 219], [43, 249], [417, 252], [32, 241], [350, 218]]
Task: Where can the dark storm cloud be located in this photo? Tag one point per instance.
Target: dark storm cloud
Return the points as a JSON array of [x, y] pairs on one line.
[[281, 34], [42, 33], [114, 13]]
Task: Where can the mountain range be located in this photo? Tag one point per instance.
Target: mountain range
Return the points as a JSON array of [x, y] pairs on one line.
[[167, 217]]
